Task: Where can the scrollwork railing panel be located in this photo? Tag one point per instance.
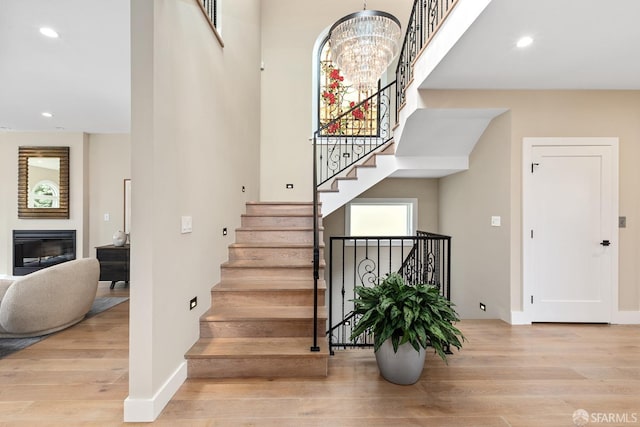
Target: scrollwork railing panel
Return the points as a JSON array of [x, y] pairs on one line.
[[347, 140], [426, 18], [364, 261]]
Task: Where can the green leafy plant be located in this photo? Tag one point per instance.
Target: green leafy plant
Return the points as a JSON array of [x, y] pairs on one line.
[[415, 314]]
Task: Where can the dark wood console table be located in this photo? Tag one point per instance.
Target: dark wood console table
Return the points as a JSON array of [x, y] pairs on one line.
[[114, 263]]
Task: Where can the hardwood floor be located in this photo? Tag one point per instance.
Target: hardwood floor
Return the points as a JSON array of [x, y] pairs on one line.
[[505, 376]]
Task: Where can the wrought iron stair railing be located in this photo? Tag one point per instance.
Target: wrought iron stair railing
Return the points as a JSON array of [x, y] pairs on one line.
[[425, 20], [362, 261], [429, 262], [341, 143], [354, 134]]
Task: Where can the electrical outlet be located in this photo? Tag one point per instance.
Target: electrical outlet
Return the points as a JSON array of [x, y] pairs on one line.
[[289, 186], [224, 231], [483, 307], [193, 303], [243, 189]]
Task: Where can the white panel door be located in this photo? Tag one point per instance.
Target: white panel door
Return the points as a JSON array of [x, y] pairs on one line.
[[570, 216]]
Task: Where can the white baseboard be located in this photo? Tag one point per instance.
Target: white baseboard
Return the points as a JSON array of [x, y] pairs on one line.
[[147, 410], [626, 318], [519, 318], [619, 318]]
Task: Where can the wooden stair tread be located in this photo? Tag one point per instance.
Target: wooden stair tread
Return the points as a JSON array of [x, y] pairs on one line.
[[256, 347], [256, 263], [280, 203], [280, 214], [261, 321], [274, 245], [258, 284], [275, 228], [262, 313]]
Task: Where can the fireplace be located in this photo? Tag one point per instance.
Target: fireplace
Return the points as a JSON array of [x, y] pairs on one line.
[[37, 249]]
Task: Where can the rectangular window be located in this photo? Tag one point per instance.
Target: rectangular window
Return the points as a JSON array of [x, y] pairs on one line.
[[381, 217]]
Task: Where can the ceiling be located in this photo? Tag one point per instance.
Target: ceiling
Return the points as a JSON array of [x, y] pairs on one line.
[[577, 44], [83, 77]]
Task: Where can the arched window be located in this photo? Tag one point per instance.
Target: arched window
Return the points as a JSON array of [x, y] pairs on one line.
[[336, 96], [45, 194]]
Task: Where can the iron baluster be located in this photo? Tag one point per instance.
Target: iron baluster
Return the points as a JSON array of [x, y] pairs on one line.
[[427, 261]]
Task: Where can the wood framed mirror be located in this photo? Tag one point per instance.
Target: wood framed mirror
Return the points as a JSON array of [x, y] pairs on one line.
[[43, 182]]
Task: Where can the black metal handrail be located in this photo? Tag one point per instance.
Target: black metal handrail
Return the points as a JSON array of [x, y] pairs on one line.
[[343, 141], [425, 20], [429, 262], [363, 261], [345, 146]]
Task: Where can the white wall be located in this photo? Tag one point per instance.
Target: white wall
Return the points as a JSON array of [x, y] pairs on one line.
[[423, 189], [480, 262], [194, 144], [78, 186], [468, 198], [109, 165], [290, 29]]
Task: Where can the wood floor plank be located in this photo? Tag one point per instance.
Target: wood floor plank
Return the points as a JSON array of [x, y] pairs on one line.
[[505, 376]]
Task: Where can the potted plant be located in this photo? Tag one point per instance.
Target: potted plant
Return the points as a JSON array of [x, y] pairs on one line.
[[404, 320]]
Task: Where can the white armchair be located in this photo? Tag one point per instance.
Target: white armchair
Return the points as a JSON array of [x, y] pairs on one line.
[[48, 300]]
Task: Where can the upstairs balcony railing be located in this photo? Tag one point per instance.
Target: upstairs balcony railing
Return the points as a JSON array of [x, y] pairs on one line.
[[211, 11], [425, 20]]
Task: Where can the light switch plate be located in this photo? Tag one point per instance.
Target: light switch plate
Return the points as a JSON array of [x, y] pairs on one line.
[[187, 224], [496, 221]]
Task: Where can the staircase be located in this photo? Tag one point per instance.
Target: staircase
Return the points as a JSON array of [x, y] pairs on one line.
[[360, 176], [260, 323]]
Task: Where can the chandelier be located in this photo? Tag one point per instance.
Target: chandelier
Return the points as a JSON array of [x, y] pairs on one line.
[[363, 44]]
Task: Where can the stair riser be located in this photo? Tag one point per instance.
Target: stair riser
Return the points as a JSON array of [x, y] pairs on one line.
[[265, 298], [277, 221], [275, 236], [268, 272], [255, 279], [280, 209], [280, 367], [272, 254], [262, 328]]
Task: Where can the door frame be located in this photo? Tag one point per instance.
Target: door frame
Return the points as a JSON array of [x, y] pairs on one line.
[[527, 263]]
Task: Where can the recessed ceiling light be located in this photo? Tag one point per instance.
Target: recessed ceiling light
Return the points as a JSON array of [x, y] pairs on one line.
[[47, 114], [524, 41], [49, 32]]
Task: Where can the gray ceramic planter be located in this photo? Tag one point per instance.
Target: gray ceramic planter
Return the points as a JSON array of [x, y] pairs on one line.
[[403, 367]]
